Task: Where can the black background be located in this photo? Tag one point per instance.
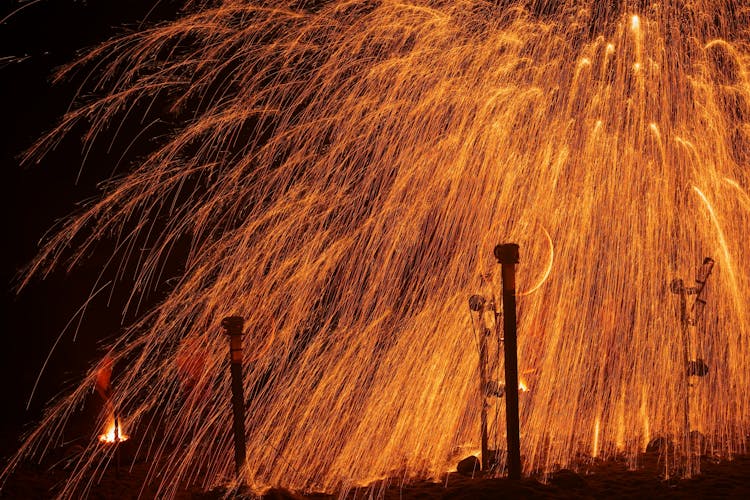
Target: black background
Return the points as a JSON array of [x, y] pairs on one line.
[[34, 41]]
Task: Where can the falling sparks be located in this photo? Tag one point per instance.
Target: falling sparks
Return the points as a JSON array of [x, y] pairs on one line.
[[595, 441], [342, 174], [635, 23]]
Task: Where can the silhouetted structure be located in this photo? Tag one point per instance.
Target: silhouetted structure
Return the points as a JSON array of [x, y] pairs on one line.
[[507, 256], [233, 326]]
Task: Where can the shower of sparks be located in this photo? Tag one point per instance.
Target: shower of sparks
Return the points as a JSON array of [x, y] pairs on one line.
[[344, 172]]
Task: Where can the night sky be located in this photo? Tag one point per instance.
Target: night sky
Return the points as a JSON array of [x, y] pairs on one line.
[[33, 42]]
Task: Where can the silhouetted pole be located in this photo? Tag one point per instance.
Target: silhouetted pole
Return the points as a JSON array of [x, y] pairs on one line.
[[117, 444], [685, 378], [697, 367], [233, 326], [477, 304], [507, 256], [483, 388]]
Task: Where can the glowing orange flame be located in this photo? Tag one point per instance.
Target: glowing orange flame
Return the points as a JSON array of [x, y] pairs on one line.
[[113, 433]]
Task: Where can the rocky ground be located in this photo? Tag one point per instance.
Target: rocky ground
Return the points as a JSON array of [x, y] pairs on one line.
[[599, 479]]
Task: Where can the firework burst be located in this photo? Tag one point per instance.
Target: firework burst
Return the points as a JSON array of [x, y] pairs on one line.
[[341, 172]]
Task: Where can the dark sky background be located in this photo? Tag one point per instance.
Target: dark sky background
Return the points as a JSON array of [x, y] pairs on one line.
[[41, 37]]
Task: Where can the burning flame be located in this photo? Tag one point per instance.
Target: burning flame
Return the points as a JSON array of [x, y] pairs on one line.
[[113, 433]]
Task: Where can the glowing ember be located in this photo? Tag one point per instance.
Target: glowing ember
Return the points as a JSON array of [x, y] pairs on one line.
[[341, 175]]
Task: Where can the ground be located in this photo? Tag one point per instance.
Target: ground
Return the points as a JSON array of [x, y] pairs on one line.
[[603, 479]]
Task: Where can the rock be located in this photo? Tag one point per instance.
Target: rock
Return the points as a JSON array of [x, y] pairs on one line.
[[658, 445], [281, 494], [567, 479], [469, 466], [698, 441]]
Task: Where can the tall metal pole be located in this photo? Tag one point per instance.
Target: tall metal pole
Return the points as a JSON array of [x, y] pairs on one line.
[[507, 256], [477, 303], [692, 367], [233, 326], [483, 395], [483, 389], [117, 443], [686, 383]]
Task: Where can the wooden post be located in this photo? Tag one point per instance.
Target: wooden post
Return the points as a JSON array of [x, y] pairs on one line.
[[233, 326], [507, 256]]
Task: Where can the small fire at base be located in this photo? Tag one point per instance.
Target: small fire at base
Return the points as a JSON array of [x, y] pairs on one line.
[[113, 434]]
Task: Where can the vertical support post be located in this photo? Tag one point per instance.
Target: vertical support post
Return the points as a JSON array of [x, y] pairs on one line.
[[483, 395], [692, 368], [477, 303], [678, 287], [686, 383], [507, 255], [117, 444], [233, 326]]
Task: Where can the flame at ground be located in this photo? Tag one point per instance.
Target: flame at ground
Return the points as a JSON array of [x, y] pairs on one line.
[[113, 433], [342, 171]]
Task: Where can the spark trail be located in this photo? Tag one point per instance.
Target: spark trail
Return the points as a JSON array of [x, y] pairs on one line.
[[343, 173]]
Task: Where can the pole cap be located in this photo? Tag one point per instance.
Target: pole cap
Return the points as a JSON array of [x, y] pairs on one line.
[[233, 325], [507, 253]]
